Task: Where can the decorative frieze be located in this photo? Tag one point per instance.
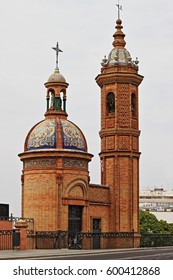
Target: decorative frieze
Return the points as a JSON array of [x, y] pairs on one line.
[[39, 163], [75, 163]]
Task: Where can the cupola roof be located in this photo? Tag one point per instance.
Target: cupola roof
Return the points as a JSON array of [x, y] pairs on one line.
[[56, 77]]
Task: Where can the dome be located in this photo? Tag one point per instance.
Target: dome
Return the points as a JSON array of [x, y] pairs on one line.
[[56, 77], [121, 56], [45, 135]]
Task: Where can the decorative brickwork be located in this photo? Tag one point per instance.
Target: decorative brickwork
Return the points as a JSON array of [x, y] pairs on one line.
[[123, 106], [39, 163], [110, 123], [134, 123], [135, 143], [124, 142], [75, 163], [110, 143]]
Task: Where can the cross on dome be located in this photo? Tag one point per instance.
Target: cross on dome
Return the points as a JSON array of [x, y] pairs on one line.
[[57, 49]]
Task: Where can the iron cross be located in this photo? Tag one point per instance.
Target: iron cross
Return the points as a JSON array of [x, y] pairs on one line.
[[57, 53], [119, 9]]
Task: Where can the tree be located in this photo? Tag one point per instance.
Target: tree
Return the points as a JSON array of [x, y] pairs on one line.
[[150, 224], [153, 232]]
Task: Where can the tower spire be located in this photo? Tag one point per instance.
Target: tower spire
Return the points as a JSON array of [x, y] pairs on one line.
[[119, 41], [57, 49]]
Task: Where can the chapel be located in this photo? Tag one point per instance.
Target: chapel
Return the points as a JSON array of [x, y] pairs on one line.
[[56, 188]]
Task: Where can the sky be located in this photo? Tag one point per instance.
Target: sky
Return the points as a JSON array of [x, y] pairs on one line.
[[28, 31]]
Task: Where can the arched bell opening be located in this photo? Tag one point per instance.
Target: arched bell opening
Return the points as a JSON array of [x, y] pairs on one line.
[[50, 98], [64, 99], [110, 103], [133, 104]]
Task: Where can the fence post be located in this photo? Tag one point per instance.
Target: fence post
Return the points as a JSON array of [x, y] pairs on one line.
[[21, 226]]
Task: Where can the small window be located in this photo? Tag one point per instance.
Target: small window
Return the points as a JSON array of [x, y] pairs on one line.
[[110, 100], [133, 104]]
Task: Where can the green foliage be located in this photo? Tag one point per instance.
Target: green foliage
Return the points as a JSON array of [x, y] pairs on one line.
[[150, 224]]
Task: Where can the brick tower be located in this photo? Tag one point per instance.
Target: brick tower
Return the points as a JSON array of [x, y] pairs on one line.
[[119, 81]]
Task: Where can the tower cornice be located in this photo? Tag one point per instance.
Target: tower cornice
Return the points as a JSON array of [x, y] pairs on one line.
[[119, 131], [120, 153], [120, 77]]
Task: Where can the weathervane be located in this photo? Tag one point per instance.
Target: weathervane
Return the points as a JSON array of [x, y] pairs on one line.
[[119, 9], [57, 53]]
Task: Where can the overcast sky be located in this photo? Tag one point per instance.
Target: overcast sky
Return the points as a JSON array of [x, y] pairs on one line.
[[28, 31]]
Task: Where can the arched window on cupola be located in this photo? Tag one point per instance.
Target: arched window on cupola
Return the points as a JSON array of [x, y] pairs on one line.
[[110, 103], [50, 98], [64, 98], [133, 104]]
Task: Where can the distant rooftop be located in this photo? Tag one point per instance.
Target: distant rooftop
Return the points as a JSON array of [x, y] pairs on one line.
[[156, 192]]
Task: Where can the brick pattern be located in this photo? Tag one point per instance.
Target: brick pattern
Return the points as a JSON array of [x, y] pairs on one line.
[[123, 106], [99, 194], [110, 143], [124, 142], [6, 225], [135, 143], [110, 123]]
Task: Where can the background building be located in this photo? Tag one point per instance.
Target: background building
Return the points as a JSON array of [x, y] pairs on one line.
[[158, 201]]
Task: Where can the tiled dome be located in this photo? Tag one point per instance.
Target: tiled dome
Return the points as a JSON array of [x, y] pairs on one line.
[[44, 136]]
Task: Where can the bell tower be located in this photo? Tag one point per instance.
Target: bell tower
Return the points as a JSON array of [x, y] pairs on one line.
[[119, 81]]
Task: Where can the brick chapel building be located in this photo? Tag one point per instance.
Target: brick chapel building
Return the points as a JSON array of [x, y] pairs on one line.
[[56, 189]]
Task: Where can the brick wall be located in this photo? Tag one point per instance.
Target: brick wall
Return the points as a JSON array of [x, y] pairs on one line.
[[6, 225]]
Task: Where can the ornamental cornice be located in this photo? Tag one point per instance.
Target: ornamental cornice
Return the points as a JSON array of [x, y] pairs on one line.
[[54, 153], [129, 78], [120, 153], [113, 132], [55, 84]]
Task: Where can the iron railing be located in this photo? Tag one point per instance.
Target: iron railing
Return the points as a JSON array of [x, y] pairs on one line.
[[156, 240], [47, 240], [81, 240]]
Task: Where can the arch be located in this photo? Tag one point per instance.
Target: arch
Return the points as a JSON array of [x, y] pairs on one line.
[[50, 99], [110, 103], [63, 98], [133, 104], [76, 189]]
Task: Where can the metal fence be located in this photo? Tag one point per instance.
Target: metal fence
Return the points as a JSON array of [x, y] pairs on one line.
[[9, 239], [82, 240], [6, 239], [156, 240], [103, 240], [47, 240]]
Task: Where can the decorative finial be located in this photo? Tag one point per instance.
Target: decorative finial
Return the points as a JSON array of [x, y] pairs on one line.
[[119, 9], [57, 53]]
